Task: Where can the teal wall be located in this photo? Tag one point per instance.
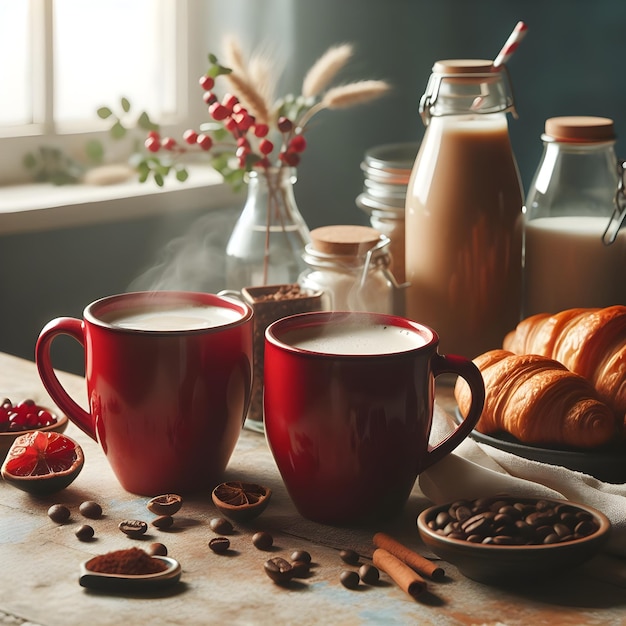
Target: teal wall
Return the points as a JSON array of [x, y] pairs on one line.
[[570, 63]]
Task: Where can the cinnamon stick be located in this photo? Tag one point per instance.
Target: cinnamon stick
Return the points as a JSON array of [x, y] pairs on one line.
[[412, 559], [407, 579]]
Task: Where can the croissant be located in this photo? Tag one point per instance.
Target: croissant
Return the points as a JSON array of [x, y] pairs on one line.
[[589, 342], [538, 401]]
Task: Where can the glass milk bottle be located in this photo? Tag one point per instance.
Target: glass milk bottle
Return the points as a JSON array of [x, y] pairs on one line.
[[464, 211], [570, 258]]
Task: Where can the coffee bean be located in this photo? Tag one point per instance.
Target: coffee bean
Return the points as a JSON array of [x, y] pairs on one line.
[[349, 556], [84, 532], [167, 504], [349, 579], [279, 570], [463, 512], [369, 574], [219, 544], [163, 522], [262, 540], [300, 569], [301, 555], [133, 527], [157, 549], [221, 525], [90, 509], [59, 513]]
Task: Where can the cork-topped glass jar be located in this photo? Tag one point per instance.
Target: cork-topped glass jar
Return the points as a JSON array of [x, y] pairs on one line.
[[572, 258], [350, 265]]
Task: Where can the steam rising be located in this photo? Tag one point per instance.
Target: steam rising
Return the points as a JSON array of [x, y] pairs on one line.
[[194, 261]]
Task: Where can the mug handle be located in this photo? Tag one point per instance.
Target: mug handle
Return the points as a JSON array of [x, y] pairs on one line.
[[75, 329], [466, 369]]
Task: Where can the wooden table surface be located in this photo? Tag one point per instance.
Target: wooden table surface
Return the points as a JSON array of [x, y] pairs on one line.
[[39, 560]]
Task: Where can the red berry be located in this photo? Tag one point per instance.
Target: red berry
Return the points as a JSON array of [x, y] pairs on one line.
[[169, 143], [154, 134], [242, 152], [231, 125], [218, 111], [297, 144], [290, 158], [206, 82], [261, 130], [229, 101], [264, 163], [284, 124], [152, 144], [190, 136], [244, 121], [204, 141], [209, 98], [266, 146], [45, 417]]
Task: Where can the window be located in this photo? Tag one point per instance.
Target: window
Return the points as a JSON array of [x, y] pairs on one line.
[[65, 58]]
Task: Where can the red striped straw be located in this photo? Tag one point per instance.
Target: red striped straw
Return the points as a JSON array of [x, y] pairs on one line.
[[511, 45]]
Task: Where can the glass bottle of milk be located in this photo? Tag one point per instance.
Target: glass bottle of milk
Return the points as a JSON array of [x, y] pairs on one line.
[[570, 260], [464, 211]]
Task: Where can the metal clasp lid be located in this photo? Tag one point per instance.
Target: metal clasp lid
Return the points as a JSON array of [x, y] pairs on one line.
[[436, 80], [618, 217], [373, 253]]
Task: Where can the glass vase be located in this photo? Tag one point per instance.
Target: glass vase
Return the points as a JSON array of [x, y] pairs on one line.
[[268, 240]]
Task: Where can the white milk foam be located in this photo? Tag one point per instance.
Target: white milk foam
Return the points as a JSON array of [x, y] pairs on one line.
[[354, 339], [186, 317]]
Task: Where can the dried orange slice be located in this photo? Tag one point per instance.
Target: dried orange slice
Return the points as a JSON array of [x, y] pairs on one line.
[[42, 462], [241, 501]]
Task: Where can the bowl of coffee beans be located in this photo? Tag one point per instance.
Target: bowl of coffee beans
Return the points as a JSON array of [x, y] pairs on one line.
[[503, 539]]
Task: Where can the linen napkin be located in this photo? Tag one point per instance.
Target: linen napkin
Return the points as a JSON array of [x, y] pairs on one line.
[[477, 469]]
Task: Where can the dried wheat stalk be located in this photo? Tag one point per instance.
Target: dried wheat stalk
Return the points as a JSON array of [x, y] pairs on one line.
[[325, 69]]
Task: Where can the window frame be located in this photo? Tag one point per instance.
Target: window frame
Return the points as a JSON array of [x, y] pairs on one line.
[[17, 141]]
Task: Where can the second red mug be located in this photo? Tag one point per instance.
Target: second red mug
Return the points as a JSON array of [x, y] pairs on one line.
[[349, 408]]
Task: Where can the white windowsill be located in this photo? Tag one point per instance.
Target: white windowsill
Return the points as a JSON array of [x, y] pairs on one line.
[[43, 206]]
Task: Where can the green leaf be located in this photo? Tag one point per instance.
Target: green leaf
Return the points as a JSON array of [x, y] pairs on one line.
[[104, 113], [125, 104], [144, 121], [220, 162], [161, 169], [221, 134], [95, 150], [182, 174], [117, 131], [143, 174], [158, 179], [212, 58], [30, 161], [235, 178], [213, 71]]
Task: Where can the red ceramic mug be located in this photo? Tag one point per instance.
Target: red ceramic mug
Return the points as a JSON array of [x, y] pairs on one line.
[[348, 410], [168, 381]]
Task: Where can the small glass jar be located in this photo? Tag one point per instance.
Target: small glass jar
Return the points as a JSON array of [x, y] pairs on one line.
[[351, 266], [571, 258], [387, 169]]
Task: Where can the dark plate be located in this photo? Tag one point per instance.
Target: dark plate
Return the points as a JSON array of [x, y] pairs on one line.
[[606, 464]]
